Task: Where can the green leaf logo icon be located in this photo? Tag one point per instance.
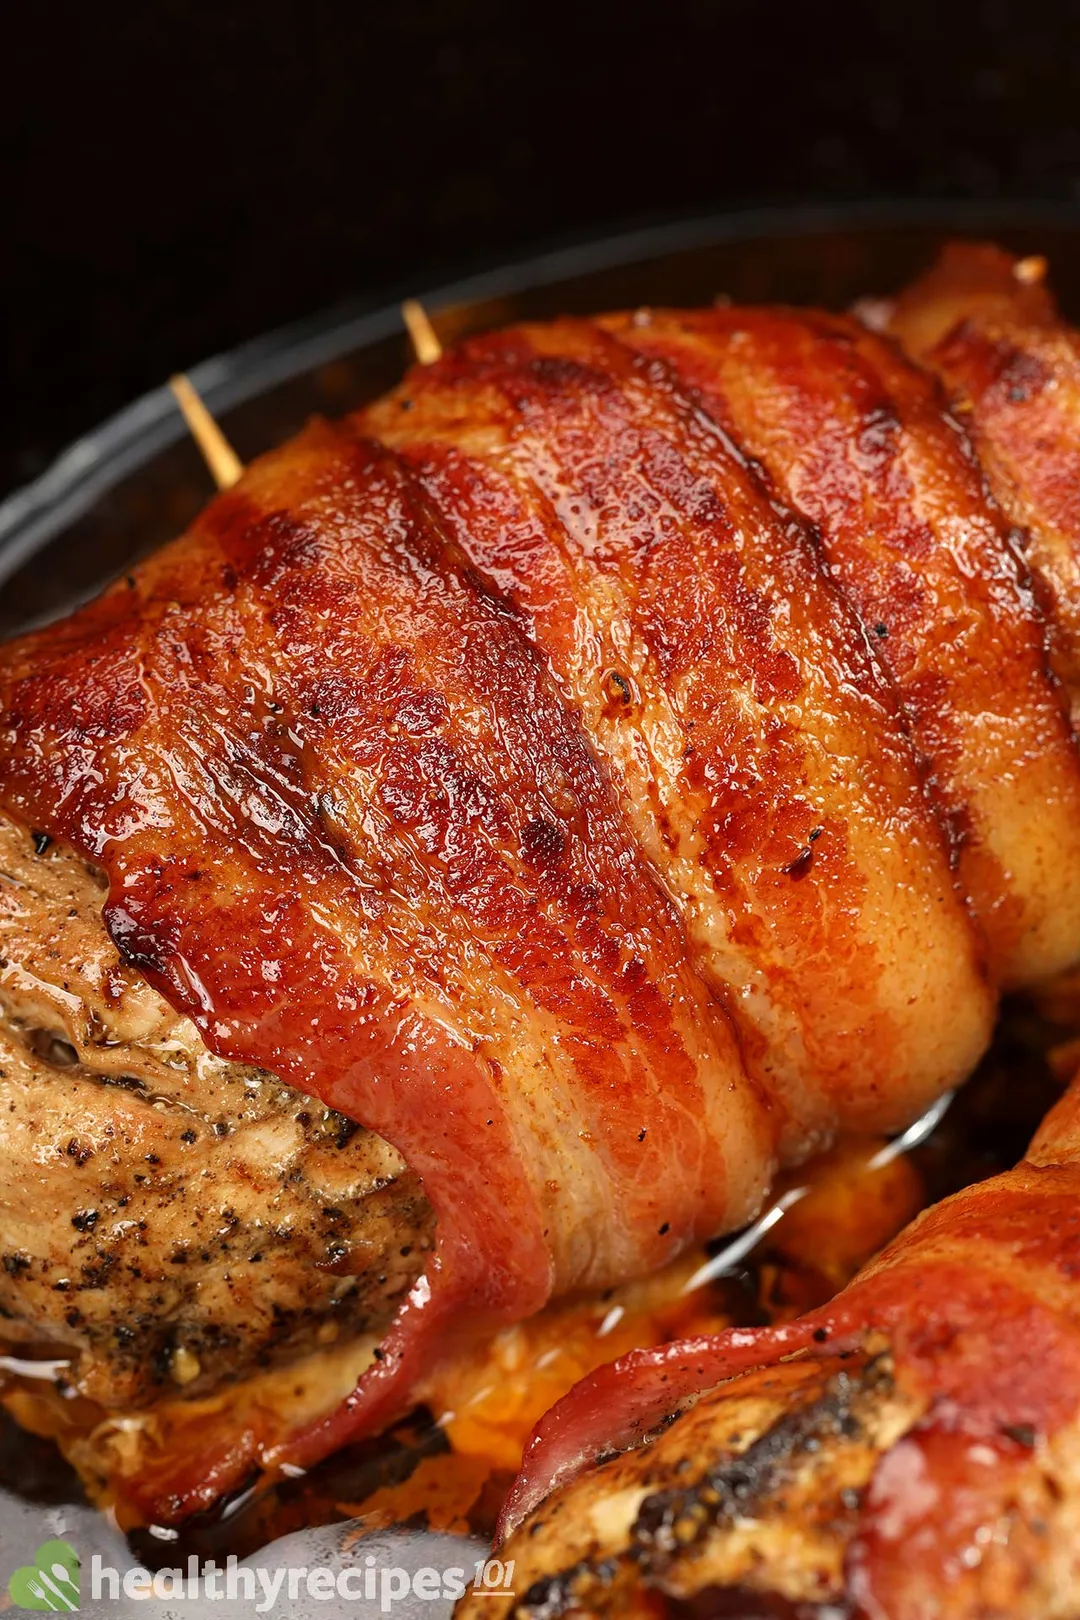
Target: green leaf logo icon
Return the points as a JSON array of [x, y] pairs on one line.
[[50, 1582]]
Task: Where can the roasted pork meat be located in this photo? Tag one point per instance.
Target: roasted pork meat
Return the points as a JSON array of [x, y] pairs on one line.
[[505, 827], [169, 1216]]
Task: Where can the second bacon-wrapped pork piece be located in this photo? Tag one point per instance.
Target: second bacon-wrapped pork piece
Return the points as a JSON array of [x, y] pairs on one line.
[[910, 1451]]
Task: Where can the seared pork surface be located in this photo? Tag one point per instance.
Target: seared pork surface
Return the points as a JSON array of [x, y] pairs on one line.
[[751, 1495], [170, 1220]]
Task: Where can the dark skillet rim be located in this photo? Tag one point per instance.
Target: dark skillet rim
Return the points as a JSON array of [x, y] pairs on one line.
[[98, 460]]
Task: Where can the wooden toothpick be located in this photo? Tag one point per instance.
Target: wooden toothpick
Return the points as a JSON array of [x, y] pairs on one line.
[[224, 464], [1030, 271], [424, 341]]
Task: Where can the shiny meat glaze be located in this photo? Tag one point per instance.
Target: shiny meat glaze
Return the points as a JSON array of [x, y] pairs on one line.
[[170, 1220], [858, 440], [715, 667], [988, 325], [908, 1451]]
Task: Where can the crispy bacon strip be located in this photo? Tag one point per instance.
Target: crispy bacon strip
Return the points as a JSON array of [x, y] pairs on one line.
[[988, 325], [712, 662], [856, 439], [353, 832], [975, 1309]]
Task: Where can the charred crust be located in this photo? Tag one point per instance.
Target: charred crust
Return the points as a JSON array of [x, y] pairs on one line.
[[344, 1130], [123, 1082], [673, 1520], [543, 842], [801, 864], [570, 1590]]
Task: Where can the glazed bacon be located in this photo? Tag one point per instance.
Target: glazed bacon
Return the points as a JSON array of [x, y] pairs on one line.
[[352, 831], [859, 441], [758, 752], [508, 768], [986, 323]]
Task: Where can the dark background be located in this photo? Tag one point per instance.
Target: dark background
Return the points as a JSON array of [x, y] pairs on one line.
[[179, 177]]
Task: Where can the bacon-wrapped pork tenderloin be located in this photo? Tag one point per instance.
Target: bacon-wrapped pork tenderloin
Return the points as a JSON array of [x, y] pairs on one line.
[[518, 770]]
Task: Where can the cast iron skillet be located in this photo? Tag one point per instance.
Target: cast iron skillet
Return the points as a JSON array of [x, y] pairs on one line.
[[137, 480]]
